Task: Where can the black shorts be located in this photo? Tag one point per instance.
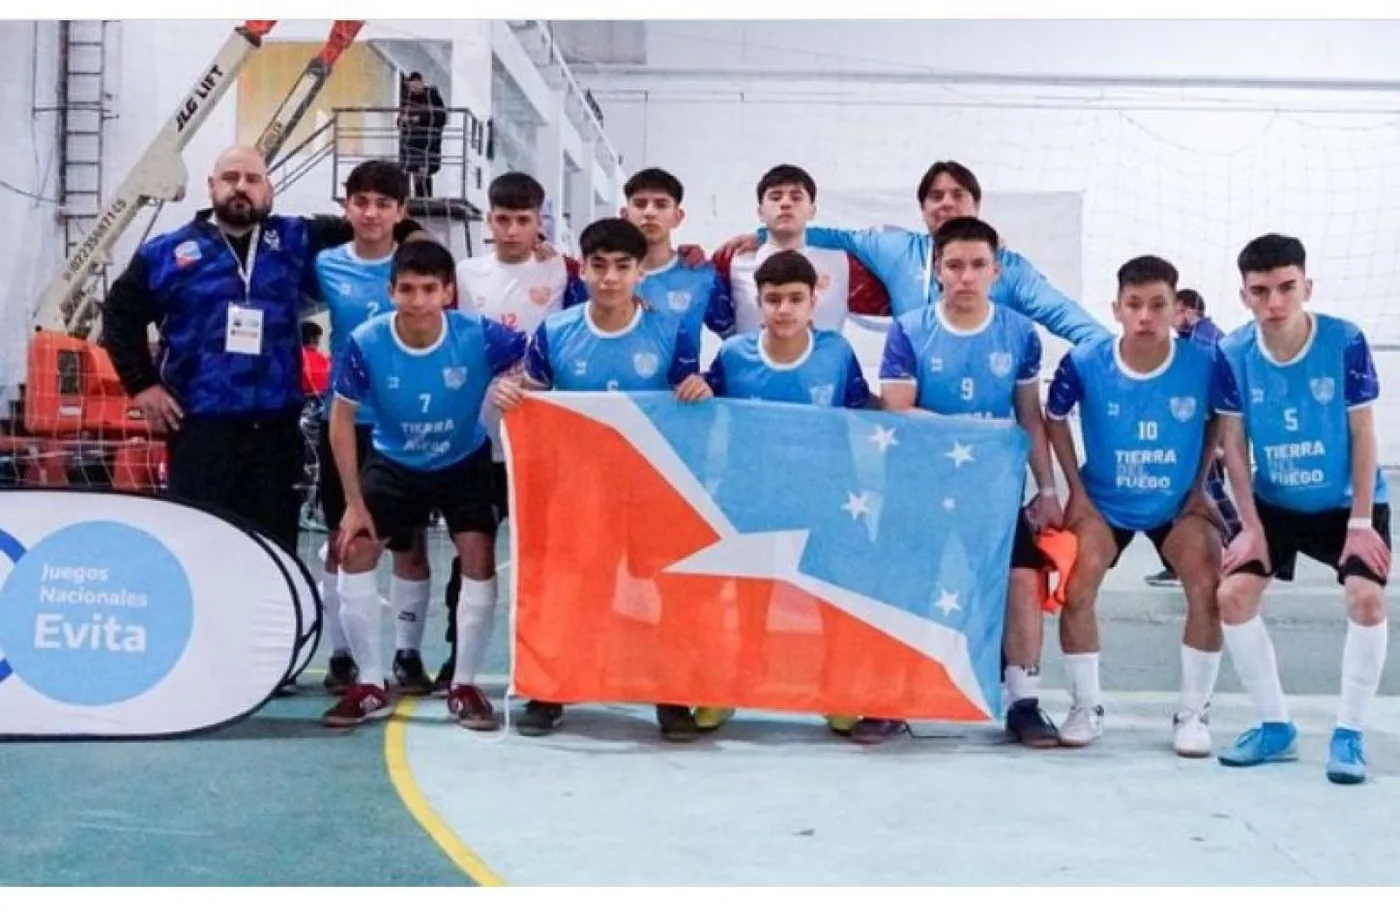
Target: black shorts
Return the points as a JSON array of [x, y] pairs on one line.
[[1157, 535], [400, 499], [1025, 553], [500, 483], [329, 488], [1320, 536]]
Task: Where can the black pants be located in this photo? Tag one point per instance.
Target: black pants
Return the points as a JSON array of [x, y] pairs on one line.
[[245, 470]]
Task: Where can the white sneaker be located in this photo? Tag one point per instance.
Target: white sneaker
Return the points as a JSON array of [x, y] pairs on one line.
[[1192, 734], [1082, 726]]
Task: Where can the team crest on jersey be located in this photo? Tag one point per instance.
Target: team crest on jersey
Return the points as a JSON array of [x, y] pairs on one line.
[[454, 377], [187, 253], [539, 295], [823, 281], [1323, 389], [1000, 363], [273, 241], [646, 363], [1183, 407], [822, 395], [678, 300]]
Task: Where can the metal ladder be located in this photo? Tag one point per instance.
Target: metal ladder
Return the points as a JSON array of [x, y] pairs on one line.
[[82, 114]]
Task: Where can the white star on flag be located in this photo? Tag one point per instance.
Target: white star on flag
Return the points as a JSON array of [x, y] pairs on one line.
[[961, 453], [884, 438], [949, 504], [947, 602], [856, 505]]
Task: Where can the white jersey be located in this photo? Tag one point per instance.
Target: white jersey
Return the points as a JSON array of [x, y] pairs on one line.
[[833, 287], [519, 296]]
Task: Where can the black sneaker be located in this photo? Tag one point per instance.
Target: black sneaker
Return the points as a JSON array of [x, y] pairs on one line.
[[677, 723], [539, 719], [442, 683], [870, 731], [1164, 578], [286, 688], [410, 673], [1028, 724], [341, 673]]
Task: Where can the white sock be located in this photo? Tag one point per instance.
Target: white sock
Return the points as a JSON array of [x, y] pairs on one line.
[[1252, 654], [359, 597], [1021, 683], [409, 601], [1199, 670], [476, 614], [330, 598], [1083, 671], [1363, 658]]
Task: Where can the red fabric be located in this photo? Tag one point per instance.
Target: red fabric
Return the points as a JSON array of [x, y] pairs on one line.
[[315, 372], [867, 296]]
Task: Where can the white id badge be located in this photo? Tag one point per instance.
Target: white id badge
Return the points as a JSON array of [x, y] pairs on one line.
[[245, 330]]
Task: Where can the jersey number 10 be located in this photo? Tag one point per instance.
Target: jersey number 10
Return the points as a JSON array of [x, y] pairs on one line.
[[1147, 430]]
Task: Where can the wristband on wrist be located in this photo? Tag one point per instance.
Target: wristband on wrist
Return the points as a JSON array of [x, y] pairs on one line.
[[1359, 523]]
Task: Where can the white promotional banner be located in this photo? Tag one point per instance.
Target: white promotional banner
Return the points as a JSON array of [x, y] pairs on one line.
[[129, 616], [308, 599]]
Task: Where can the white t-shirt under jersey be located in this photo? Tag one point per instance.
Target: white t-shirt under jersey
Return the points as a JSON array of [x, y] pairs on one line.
[[517, 295]]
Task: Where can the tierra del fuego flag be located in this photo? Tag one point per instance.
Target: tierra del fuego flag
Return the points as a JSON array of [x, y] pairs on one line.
[[760, 555]]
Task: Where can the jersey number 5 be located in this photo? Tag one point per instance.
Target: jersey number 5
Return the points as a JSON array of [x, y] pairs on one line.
[[1290, 419]]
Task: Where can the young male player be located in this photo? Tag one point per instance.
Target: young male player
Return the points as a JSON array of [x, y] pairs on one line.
[[1145, 410], [787, 201], [967, 355], [615, 342], [698, 297], [512, 286], [354, 284], [1297, 388], [903, 259], [424, 373], [786, 361]]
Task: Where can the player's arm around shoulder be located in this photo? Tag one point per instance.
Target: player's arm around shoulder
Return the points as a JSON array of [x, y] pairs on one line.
[[1034, 297], [535, 371]]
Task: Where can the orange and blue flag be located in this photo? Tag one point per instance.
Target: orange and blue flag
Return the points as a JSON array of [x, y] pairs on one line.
[[760, 555]]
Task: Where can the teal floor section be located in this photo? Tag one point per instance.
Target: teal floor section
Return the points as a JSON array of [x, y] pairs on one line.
[[276, 799]]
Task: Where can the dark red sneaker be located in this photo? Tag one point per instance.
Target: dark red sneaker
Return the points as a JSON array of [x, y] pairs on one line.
[[471, 708], [361, 702]]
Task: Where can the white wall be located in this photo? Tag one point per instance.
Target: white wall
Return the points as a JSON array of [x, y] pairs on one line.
[[33, 239], [1155, 171]]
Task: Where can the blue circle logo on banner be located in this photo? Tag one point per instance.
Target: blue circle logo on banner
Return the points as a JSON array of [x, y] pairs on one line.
[[94, 614]]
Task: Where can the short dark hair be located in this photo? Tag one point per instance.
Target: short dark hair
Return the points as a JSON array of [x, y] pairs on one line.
[[654, 179], [310, 333], [965, 229], [1273, 250], [786, 267], [612, 234], [425, 258], [787, 174], [1147, 269], [1192, 299], [515, 191], [955, 171], [378, 177]]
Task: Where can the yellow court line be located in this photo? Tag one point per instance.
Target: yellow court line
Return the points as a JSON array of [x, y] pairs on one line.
[[396, 757]]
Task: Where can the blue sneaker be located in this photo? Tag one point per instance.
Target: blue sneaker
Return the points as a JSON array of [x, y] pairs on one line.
[[1346, 765], [1271, 742]]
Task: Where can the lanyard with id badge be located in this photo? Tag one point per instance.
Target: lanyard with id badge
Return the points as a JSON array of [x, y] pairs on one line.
[[243, 333]]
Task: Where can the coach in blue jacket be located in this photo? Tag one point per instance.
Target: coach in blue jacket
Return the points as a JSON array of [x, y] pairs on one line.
[[226, 292]]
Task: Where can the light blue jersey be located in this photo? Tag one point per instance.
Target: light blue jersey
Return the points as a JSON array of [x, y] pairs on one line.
[[695, 297], [828, 373], [1296, 420], [427, 401], [1143, 432], [958, 372], [354, 290], [569, 352], [903, 261]]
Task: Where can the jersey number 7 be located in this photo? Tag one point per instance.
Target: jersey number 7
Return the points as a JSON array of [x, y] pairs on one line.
[[426, 398]]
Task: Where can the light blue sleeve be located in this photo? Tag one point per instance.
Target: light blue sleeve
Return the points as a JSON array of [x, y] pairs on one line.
[[886, 253], [1025, 289]]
